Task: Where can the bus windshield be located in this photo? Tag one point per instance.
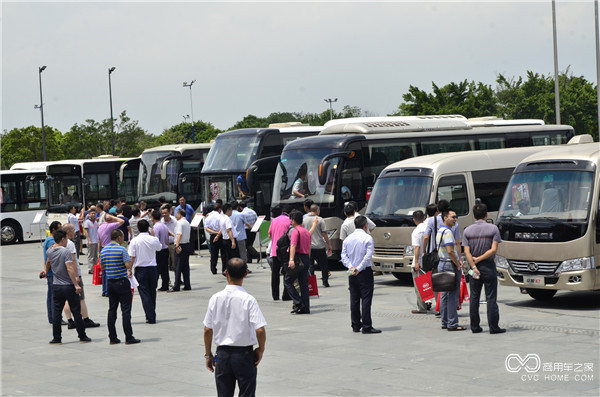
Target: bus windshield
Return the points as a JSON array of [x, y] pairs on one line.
[[152, 185], [296, 178], [396, 196], [548, 195], [232, 153]]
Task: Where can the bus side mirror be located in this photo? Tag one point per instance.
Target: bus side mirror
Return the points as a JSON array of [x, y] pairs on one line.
[[323, 171], [260, 199], [250, 172], [163, 169]]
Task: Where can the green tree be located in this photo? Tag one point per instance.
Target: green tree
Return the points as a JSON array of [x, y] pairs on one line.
[[182, 133], [534, 98], [468, 99], [250, 121], [25, 144]]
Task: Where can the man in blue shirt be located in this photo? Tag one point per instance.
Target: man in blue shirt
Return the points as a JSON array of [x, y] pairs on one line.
[[189, 211], [357, 251]]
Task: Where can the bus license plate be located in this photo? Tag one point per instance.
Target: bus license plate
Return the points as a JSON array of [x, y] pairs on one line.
[[534, 280], [388, 267]]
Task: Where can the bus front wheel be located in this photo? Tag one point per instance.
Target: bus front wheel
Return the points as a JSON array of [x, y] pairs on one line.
[[541, 294], [10, 232]]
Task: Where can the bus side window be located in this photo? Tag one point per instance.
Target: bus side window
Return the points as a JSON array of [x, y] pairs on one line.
[[489, 186], [454, 189], [351, 178]]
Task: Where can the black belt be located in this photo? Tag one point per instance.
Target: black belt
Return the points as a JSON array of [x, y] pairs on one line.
[[232, 348]]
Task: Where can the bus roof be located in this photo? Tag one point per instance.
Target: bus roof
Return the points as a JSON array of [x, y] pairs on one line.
[[23, 171], [462, 161], [179, 147], [492, 121], [31, 165], [86, 161], [260, 131], [377, 125], [583, 151]]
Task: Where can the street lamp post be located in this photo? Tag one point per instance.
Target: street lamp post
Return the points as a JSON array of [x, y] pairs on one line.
[[185, 84], [556, 85], [41, 107], [330, 101], [112, 131]]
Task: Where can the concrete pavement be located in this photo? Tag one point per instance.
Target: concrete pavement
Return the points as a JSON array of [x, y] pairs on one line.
[[309, 355]]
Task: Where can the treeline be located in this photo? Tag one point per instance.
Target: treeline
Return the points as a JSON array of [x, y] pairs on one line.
[[512, 98]]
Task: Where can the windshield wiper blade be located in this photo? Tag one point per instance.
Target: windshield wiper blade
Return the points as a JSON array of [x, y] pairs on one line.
[[512, 219], [556, 221]]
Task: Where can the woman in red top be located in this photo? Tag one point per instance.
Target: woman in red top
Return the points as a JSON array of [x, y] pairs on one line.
[[299, 244]]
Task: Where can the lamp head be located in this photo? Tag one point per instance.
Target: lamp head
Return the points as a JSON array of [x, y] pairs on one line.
[[42, 68], [111, 70]]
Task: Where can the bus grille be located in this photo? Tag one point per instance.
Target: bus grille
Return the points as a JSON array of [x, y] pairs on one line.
[[522, 267], [389, 251]]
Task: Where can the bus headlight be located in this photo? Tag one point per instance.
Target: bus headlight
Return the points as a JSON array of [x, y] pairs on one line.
[[409, 250], [576, 264], [501, 262]]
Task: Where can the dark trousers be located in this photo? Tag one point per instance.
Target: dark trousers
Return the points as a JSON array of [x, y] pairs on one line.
[[215, 248], [235, 363], [302, 299], [252, 252], [162, 267], [361, 297], [319, 255], [276, 280], [182, 267], [147, 280], [50, 299], [488, 279], [119, 292], [229, 252], [62, 294]]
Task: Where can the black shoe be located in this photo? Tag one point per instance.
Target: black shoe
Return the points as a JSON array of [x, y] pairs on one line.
[[371, 330], [275, 299], [132, 341], [71, 324], [497, 331], [286, 298], [428, 305], [163, 289], [173, 290], [249, 271], [115, 341], [150, 322], [355, 329], [187, 288], [303, 311], [55, 342], [63, 322], [298, 309], [325, 283], [457, 328], [89, 323], [90, 272], [85, 339], [476, 330]]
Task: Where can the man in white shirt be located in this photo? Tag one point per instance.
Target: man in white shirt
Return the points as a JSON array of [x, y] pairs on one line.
[[357, 251], [236, 324], [348, 225], [183, 248], [142, 251], [228, 234], [250, 217], [170, 221], [213, 229], [417, 243]]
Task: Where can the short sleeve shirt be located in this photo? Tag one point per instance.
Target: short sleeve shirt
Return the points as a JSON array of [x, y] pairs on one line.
[[417, 239], [59, 256], [304, 235], [317, 240], [480, 236], [92, 230], [445, 238]]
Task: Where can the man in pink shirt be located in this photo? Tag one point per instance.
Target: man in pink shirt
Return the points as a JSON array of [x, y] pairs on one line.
[[300, 245], [278, 227]]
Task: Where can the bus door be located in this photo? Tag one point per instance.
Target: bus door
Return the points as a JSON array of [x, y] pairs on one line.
[[352, 179], [190, 182], [454, 189]]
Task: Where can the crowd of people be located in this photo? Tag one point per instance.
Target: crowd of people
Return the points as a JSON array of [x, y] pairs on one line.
[[137, 247]]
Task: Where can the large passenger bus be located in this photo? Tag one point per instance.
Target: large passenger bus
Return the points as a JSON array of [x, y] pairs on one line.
[[24, 195], [80, 181], [171, 171], [342, 163], [462, 178], [549, 221], [248, 156]]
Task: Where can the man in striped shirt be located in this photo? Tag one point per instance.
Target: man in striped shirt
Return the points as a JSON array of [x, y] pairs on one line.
[[115, 262]]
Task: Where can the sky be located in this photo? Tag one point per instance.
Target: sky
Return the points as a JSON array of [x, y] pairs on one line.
[[258, 58]]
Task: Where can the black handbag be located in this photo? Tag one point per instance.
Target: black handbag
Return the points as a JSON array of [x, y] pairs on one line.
[[431, 259], [443, 281]]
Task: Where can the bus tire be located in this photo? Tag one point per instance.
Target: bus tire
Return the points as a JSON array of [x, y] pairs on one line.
[[10, 233], [541, 294]]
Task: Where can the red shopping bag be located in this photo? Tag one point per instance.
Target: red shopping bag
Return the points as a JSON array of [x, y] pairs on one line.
[[464, 292], [423, 283], [97, 277], [313, 290]]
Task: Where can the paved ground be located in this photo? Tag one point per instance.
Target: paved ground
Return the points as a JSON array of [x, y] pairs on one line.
[[315, 355]]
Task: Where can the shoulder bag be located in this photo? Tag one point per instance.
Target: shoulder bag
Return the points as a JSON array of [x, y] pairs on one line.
[[431, 258], [298, 264]]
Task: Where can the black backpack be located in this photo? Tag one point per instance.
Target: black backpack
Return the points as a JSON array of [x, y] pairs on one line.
[[283, 247]]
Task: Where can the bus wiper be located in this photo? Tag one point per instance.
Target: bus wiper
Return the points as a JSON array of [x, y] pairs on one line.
[[377, 217], [512, 219], [556, 221]]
